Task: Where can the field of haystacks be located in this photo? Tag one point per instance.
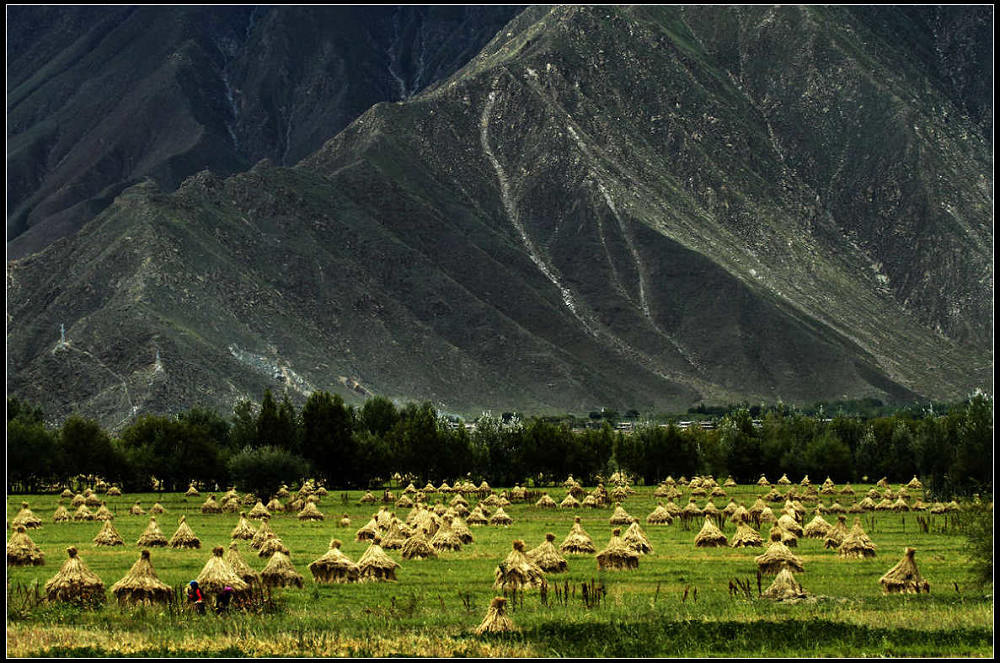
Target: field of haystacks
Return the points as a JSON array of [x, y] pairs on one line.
[[681, 600]]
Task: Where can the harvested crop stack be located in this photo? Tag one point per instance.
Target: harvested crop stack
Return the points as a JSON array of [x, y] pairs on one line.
[[211, 506], [345, 521], [114, 491], [141, 585], [766, 516], [232, 505], [239, 565], [261, 536], [569, 502], [789, 524], [83, 513], [311, 512], [191, 491], [496, 620], [776, 533], [740, 515], [217, 574], [816, 528], [75, 582], [66, 494], [710, 536], [272, 544], [404, 502], [729, 482], [784, 480], [259, 511], [61, 515], [784, 587], [884, 505], [283, 493], [78, 500], [659, 516], [395, 537], [762, 481], [773, 496], [90, 499], [619, 493], [157, 508], [805, 481], [857, 545], [900, 505], [368, 532], [104, 513], [915, 484], [547, 557], [184, 537], [108, 536], [250, 499], [334, 566], [836, 507], [620, 516], [717, 491], [280, 572], [26, 518], [776, 557], [836, 534], [599, 494], [711, 510], [230, 494], [417, 547], [500, 518], [904, 578], [152, 536], [136, 510], [663, 490], [243, 530], [274, 506], [462, 530], [544, 502], [636, 539], [446, 538], [746, 537], [22, 551], [617, 555], [517, 571], [578, 541], [368, 498], [375, 565], [847, 490]]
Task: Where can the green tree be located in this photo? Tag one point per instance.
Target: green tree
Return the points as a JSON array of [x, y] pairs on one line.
[[328, 440], [86, 448], [378, 415], [243, 432], [32, 454], [263, 470]]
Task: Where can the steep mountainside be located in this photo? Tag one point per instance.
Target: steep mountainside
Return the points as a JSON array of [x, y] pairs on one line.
[[98, 98], [635, 207]]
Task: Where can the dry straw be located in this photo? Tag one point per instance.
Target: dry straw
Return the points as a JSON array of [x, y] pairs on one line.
[[211, 506], [517, 571], [578, 541], [152, 536], [446, 537], [636, 539], [243, 530], [271, 545], [659, 516], [184, 537], [857, 545], [217, 574], [280, 572], [136, 510], [785, 587], [417, 547], [141, 585], [776, 557], [259, 511], [104, 513], [311, 512], [74, 582], [545, 502], [239, 565], [817, 528], [620, 516], [108, 536], [496, 620], [904, 578], [710, 536], [157, 508], [617, 555], [83, 513], [500, 518], [22, 551], [61, 515], [26, 518], [746, 537], [547, 557], [375, 565]]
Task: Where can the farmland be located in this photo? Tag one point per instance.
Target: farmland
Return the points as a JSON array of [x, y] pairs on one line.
[[679, 602]]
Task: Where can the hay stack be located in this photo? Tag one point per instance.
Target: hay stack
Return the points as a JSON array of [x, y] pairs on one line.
[[108, 536], [517, 571], [22, 551], [250, 499], [83, 513], [710, 536], [578, 541], [184, 537], [61, 515], [836, 534], [746, 537], [847, 490], [762, 481], [817, 528], [500, 518], [545, 502], [462, 530], [900, 505], [636, 539], [789, 524], [334, 567], [773, 496], [915, 484], [232, 505], [243, 530], [191, 491], [136, 510], [272, 544], [836, 507], [368, 532], [662, 490], [280, 572], [114, 491], [417, 547], [784, 587], [104, 513], [90, 499], [729, 482], [66, 494], [261, 536], [547, 557], [496, 620], [375, 565], [620, 516], [345, 521], [740, 515], [569, 502], [26, 518], [367, 498], [884, 505], [776, 557], [152, 536], [659, 516], [74, 582], [217, 574], [619, 493], [141, 585], [857, 545], [211, 506], [274, 506], [491, 501], [259, 511], [311, 512], [617, 555], [283, 492], [766, 516], [157, 508], [711, 510], [883, 482], [784, 480], [404, 502], [904, 578], [239, 565], [446, 538], [78, 500]]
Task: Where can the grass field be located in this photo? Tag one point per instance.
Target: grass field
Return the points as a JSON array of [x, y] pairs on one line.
[[677, 603]]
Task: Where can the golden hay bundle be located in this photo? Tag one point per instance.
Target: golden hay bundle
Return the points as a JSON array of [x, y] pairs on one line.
[[805, 481], [230, 494], [446, 538], [663, 490], [311, 512], [619, 493], [83, 513], [232, 505], [262, 533], [239, 565], [710, 536], [517, 571], [283, 492], [900, 505], [375, 565], [919, 505], [157, 508], [915, 484], [152, 536], [78, 500], [61, 515], [590, 502], [22, 551], [884, 505], [773, 496], [659, 516], [784, 480], [670, 481], [404, 502], [636, 539], [569, 502], [108, 536], [730, 509], [396, 537], [104, 513], [857, 545], [250, 499], [711, 510], [545, 502], [345, 521], [776, 533], [883, 482], [717, 491], [762, 481], [445, 488], [740, 515], [547, 558], [272, 544], [136, 510], [74, 582], [578, 541], [26, 518], [417, 547], [384, 519], [617, 555], [496, 619], [462, 530], [217, 574], [729, 482], [191, 491], [766, 516], [789, 524], [114, 491], [368, 532], [92, 500], [141, 585], [836, 534], [746, 537], [66, 494], [518, 493], [784, 587], [491, 501], [904, 578], [184, 537], [429, 488], [334, 566], [776, 557], [274, 506], [259, 511], [211, 506], [243, 530], [847, 490], [620, 516], [280, 572], [458, 499], [367, 498], [500, 518], [816, 528]]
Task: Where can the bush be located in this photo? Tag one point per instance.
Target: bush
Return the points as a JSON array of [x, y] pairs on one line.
[[979, 533], [262, 471]]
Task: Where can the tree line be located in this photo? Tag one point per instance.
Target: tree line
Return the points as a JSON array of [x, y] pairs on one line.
[[262, 445]]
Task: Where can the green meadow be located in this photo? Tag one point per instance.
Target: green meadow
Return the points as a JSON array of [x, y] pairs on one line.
[[679, 602]]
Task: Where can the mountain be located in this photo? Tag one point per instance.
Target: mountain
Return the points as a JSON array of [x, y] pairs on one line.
[[99, 98], [643, 207]]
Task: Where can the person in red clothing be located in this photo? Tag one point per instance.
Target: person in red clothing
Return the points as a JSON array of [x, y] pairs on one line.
[[196, 597]]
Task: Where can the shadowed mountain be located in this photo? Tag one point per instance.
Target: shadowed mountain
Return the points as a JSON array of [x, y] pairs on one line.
[[634, 207]]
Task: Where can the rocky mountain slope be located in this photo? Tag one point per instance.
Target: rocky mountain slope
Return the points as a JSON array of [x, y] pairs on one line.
[[634, 207]]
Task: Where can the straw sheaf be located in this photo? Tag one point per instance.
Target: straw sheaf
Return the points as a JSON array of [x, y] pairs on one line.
[[659, 516], [636, 539], [192, 491], [83, 513], [446, 538], [784, 587], [311, 512], [904, 578], [368, 532], [857, 545], [836, 534], [157, 508], [620, 516], [460, 528], [746, 537], [22, 551], [376, 566], [280, 572], [569, 502], [211, 506], [136, 510], [790, 524], [239, 565], [152, 536], [500, 518], [710, 536], [184, 537], [61, 515], [334, 566], [617, 555], [26, 518], [259, 511], [395, 538], [141, 585], [417, 547], [578, 541], [78, 500], [271, 545], [74, 582], [108, 536], [104, 513], [217, 574], [546, 502], [777, 556], [243, 530], [496, 619], [517, 571], [817, 528], [547, 558]]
